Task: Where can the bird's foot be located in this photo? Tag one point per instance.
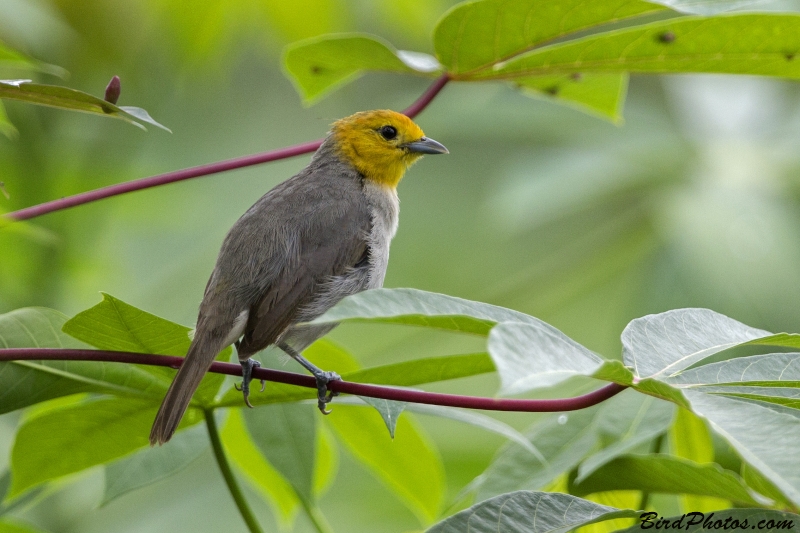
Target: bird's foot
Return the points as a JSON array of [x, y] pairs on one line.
[[247, 377], [324, 395]]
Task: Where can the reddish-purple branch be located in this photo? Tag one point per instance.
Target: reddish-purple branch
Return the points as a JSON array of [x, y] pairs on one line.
[[361, 389], [422, 102], [202, 170]]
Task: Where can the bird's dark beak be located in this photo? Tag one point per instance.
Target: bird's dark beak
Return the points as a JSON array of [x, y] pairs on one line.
[[426, 146]]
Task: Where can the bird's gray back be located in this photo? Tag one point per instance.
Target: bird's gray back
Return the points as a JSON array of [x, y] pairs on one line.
[[309, 242]]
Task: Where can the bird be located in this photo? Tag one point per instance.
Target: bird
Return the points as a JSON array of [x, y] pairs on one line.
[[310, 241]]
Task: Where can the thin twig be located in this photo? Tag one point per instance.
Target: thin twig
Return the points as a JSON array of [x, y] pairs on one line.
[[361, 389], [202, 170], [227, 473]]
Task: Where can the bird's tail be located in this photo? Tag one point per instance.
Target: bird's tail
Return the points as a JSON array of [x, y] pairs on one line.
[[199, 358]]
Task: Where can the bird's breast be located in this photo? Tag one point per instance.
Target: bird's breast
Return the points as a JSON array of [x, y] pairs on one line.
[[385, 211]]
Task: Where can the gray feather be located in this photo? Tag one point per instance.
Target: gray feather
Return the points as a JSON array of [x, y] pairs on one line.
[[312, 240]]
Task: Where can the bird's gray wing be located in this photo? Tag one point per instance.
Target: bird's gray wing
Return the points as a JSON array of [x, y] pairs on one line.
[[330, 242]]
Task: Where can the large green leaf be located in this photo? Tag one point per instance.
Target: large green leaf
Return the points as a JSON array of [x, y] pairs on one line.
[[73, 100], [528, 356], [24, 383], [153, 464], [625, 423], [286, 434], [529, 512], [467, 416], [477, 35], [115, 325], [663, 344], [251, 464], [690, 438], [665, 474], [427, 370], [321, 64], [562, 441], [428, 309], [326, 461], [764, 434], [409, 464], [756, 481], [602, 94], [734, 519], [713, 7], [745, 399], [601, 433], [775, 369], [69, 439], [761, 44]]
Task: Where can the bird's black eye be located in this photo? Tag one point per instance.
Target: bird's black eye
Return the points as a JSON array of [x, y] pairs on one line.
[[388, 132]]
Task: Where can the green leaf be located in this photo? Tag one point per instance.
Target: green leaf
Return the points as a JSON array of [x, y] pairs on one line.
[[713, 7], [326, 461], [8, 505], [286, 436], [24, 383], [149, 465], [6, 127], [428, 309], [663, 344], [476, 35], [690, 439], [747, 519], [613, 427], [14, 59], [74, 100], [665, 474], [599, 94], [409, 464], [69, 439], [745, 425], [621, 499], [529, 356], [615, 371], [756, 44], [427, 370], [563, 440], [250, 463], [529, 512], [467, 416], [115, 325], [476, 419], [319, 65], [16, 527], [389, 410], [773, 370], [627, 423], [756, 481]]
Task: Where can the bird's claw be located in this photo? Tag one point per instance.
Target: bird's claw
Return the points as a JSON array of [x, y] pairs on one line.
[[247, 377], [324, 395]]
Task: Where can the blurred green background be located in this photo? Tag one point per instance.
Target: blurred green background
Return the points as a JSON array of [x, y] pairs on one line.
[[693, 201]]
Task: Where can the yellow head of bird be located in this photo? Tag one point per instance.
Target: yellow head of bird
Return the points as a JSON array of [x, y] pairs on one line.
[[382, 144]]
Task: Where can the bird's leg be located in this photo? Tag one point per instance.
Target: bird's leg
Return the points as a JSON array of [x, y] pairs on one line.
[[324, 396], [247, 377]]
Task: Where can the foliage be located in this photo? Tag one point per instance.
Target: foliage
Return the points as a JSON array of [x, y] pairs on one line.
[[690, 374]]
